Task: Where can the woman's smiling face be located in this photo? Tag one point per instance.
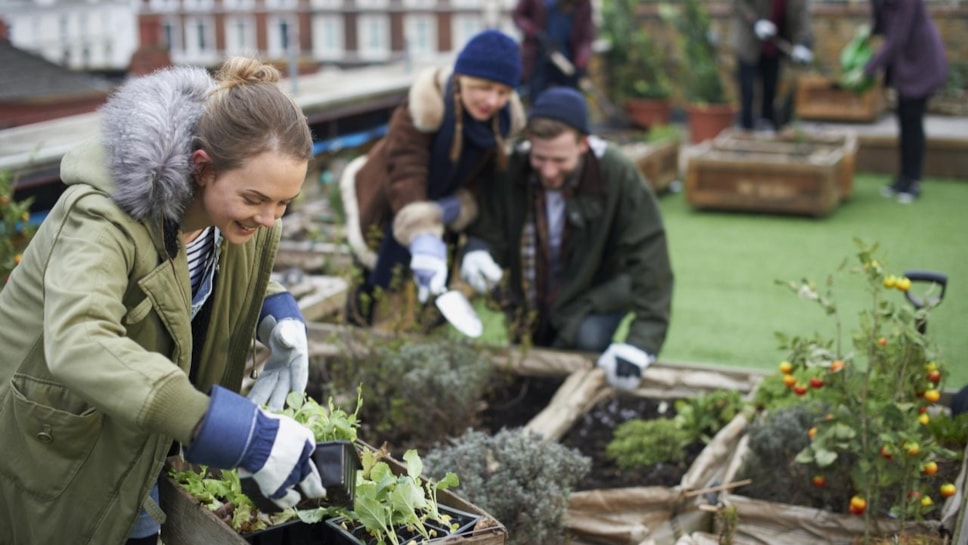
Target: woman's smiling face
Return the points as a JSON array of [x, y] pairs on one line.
[[482, 98], [241, 200]]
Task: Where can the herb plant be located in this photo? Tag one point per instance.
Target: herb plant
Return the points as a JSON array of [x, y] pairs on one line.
[[517, 477]]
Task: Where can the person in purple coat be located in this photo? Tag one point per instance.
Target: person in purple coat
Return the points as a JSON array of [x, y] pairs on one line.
[[562, 26], [912, 57]]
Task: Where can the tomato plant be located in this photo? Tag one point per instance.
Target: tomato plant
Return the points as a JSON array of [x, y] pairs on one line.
[[869, 390]]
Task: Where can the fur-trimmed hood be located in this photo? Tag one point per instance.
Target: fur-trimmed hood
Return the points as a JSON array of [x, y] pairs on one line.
[[426, 101], [147, 133]]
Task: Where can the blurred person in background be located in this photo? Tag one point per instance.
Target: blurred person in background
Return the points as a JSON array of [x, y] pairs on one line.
[[763, 31], [913, 60], [554, 27]]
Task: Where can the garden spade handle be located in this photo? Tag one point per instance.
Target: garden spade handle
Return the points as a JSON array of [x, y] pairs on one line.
[[921, 302], [926, 276]]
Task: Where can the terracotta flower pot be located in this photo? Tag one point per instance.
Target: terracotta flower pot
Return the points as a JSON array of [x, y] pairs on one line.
[[647, 112], [706, 121]]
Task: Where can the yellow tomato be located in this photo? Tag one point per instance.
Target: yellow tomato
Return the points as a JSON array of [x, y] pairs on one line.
[[912, 448], [890, 281], [789, 380], [924, 419], [812, 432], [932, 396], [926, 501], [947, 490], [903, 283], [786, 367], [836, 366]]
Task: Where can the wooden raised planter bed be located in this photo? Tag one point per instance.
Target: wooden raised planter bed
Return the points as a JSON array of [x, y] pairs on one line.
[[764, 181], [821, 98], [797, 143], [658, 162], [944, 156], [190, 523]]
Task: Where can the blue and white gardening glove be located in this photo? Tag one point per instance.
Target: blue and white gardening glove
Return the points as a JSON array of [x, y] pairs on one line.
[[283, 329], [428, 262], [272, 450], [764, 29], [623, 365], [480, 271], [801, 54]]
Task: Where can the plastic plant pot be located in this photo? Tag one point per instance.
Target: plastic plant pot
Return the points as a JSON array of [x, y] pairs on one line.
[[337, 463], [340, 531]]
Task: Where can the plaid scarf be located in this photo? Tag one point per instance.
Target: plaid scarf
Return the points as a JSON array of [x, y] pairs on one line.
[[539, 284]]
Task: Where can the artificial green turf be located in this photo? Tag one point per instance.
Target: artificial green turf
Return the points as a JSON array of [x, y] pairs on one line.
[[727, 306]]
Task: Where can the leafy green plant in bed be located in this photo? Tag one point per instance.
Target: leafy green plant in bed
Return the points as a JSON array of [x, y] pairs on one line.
[[386, 502], [642, 443]]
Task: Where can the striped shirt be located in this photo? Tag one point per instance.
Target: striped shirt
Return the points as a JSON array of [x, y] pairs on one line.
[[200, 255]]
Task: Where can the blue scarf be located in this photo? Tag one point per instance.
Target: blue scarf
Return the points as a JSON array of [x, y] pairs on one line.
[[445, 177]]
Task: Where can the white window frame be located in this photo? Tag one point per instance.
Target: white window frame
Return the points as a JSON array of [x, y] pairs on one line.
[[329, 39], [193, 24], [415, 25], [233, 44], [274, 39], [373, 31]]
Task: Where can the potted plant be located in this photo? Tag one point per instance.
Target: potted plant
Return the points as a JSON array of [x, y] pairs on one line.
[[635, 65], [708, 109]]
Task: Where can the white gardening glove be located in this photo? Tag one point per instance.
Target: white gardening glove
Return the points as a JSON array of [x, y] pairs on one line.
[[275, 451], [428, 262], [287, 369], [480, 271], [764, 29], [623, 365], [801, 54]]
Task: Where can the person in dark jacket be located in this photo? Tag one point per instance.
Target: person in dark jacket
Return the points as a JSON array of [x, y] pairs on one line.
[[128, 324], [580, 232], [415, 188], [763, 32], [913, 58], [562, 27]]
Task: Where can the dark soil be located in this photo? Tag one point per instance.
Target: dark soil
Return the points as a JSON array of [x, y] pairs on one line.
[[593, 431], [516, 400], [522, 398]]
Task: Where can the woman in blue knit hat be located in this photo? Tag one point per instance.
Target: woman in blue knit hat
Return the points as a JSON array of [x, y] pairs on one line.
[[414, 191]]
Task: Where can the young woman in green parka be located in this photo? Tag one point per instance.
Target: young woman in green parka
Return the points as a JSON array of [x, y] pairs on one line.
[[127, 326]]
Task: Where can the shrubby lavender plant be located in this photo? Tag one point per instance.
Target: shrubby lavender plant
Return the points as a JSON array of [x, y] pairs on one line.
[[520, 479]]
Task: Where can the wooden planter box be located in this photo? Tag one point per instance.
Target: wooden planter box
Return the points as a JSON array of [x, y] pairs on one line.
[[658, 162], [821, 98], [764, 182], [797, 143], [944, 156], [190, 523]]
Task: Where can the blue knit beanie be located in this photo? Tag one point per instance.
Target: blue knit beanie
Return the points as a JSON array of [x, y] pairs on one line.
[[563, 104], [491, 55]]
